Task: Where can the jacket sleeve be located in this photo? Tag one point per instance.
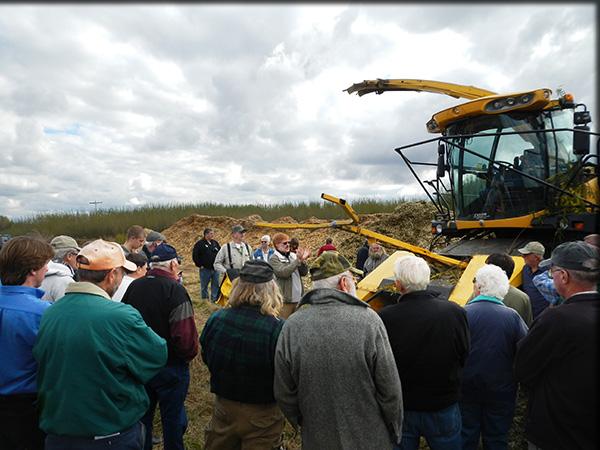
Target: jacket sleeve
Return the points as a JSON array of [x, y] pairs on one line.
[[220, 259], [281, 269], [146, 351], [182, 327], [196, 254], [462, 338], [537, 350], [303, 269], [387, 381], [285, 383]]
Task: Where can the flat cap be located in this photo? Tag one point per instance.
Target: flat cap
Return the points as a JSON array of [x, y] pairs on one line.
[[257, 271]]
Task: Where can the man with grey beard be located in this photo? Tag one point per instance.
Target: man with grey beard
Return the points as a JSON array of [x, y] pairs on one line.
[[377, 255]]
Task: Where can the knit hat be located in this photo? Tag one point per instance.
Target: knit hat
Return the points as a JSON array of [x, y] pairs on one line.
[[329, 264], [256, 271]]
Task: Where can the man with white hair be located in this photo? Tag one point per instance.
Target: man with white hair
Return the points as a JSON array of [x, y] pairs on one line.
[[429, 336], [335, 374], [558, 360], [264, 252], [167, 308], [61, 270], [489, 389]]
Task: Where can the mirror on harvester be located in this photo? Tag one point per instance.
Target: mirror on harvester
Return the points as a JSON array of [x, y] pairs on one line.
[[441, 167], [581, 139]]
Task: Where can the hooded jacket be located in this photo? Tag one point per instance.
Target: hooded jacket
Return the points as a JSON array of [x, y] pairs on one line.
[[335, 374], [58, 277]]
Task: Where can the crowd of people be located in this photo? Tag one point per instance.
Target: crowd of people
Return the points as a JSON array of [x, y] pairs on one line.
[[94, 338]]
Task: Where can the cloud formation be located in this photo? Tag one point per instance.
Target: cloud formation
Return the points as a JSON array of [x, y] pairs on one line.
[[136, 104]]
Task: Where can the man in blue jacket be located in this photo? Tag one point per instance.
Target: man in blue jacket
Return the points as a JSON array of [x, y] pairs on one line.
[[23, 264]]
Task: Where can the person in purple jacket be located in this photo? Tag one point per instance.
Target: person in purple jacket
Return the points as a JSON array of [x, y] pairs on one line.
[[489, 389]]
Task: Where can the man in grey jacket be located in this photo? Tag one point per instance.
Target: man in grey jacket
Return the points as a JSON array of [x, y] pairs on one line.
[[335, 374], [61, 270]]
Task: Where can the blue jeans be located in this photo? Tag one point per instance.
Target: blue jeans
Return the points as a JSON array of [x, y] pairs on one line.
[[440, 428], [130, 439], [489, 418], [212, 276], [168, 388]]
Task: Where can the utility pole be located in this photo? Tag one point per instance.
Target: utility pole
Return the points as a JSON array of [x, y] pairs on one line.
[[95, 203]]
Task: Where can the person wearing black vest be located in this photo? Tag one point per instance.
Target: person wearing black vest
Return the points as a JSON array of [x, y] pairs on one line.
[[203, 254]]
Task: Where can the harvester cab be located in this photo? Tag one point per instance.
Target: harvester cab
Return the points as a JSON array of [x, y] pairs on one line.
[[512, 167]]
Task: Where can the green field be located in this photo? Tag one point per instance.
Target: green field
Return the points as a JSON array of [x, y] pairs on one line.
[[112, 223]]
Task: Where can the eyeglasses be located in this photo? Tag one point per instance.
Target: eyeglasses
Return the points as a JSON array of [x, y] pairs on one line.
[[554, 269], [285, 243], [264, 242]]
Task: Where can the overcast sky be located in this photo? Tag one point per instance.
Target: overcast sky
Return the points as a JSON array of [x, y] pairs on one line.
[[137, 104]]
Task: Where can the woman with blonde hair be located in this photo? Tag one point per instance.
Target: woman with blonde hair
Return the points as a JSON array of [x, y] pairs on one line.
[[238, 346]]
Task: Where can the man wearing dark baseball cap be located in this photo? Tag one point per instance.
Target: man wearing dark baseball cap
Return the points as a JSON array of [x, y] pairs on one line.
[[94, 356], [167, 308], [333, 354], [557, 360]]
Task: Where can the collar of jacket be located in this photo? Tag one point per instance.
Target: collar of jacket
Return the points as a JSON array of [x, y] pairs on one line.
[[418, 295], [20, 289], [285, 258], [325, 296], [485, 298], [85, 287], [158, 272]]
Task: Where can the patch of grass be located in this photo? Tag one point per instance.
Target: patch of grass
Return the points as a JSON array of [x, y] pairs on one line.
[[112, 223]]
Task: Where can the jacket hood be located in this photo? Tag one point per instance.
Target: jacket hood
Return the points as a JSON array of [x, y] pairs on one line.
[[324, 296], [58, 269]]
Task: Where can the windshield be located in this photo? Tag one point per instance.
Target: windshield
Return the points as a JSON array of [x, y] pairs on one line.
[[485, 191]]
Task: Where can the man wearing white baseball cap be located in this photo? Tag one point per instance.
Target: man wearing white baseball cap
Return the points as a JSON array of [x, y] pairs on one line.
[[61, 270], [94, 356], [533, 253]]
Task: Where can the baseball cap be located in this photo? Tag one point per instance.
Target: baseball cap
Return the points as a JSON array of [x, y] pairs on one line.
[[238, 229], [164, 252], [155, 236], [63, 242], [257, 271], [103, 255], [577, 255], [329, 264], [532, 247]]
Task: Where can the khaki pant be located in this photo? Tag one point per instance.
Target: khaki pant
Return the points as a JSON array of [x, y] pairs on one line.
[[243, 426], [287, 310]]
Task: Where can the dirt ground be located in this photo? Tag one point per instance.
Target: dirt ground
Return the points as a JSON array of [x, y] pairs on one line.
[[409, 222]]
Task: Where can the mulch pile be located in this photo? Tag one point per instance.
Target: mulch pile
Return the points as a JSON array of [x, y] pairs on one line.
[[410, 222]]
